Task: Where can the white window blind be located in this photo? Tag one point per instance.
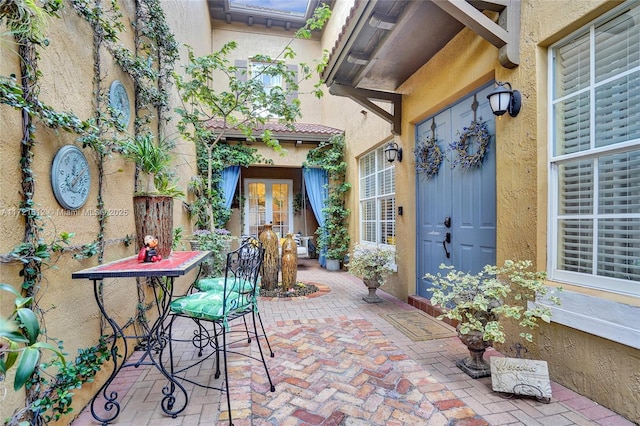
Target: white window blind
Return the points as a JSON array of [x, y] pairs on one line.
[[377, 199], [595, 155]]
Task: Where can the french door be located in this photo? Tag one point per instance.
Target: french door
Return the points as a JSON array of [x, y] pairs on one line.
[[268, 201]]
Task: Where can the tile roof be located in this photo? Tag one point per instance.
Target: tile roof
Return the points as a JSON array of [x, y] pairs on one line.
[[299, 129]]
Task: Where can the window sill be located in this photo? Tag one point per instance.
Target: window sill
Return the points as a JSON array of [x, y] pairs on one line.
[[609, 319]]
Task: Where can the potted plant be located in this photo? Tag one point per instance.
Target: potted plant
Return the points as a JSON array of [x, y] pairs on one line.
[[219, 243], [373, 264], [153, 206], [481, 302]]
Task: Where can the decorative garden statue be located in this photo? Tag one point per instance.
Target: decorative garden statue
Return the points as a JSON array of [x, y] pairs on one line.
[[149, 252], [269, 272], [289, 262]]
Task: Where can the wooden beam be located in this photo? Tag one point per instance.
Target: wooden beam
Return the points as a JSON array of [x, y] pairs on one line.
[[363, 97], [505, 34]]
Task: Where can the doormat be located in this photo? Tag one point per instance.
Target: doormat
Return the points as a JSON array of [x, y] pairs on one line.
[[419, 326]]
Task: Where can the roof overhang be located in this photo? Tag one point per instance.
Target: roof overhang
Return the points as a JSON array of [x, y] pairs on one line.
[[384, 42], [290, 16]]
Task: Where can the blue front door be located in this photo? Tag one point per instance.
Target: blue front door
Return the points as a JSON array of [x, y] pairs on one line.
[[456, 210]]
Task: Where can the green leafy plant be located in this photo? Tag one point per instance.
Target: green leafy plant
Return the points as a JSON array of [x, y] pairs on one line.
[[219, 243], [480, 302], [19, 343], [371, 263], [334, 234], [177, 237], [243, 106], [154, 160]]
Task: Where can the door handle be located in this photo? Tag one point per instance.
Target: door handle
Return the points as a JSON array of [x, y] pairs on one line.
[[447, 240], [446, 252], [447, 222]]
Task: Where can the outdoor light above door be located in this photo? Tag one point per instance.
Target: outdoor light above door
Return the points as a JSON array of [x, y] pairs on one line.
[[503, 99], [392, 152]]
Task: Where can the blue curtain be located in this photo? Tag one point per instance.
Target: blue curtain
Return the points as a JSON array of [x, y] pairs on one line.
[[316, 182], [228, 183]]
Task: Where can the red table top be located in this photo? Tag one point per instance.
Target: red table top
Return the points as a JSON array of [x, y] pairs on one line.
[[178, 263]]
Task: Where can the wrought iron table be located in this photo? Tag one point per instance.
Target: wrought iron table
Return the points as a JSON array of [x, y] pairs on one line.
[[161, 276]]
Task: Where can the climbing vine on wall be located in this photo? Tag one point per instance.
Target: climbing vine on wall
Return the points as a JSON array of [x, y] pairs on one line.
[[150, 66]]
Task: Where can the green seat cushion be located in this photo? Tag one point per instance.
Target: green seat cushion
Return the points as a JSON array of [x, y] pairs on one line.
[[217, 284], [208, 305], [209, 284]]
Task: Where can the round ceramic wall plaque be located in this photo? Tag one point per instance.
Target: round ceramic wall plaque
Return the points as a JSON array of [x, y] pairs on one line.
[[70, 177], [119, 101]]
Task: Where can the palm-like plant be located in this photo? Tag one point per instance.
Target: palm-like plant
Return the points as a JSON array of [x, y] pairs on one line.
[[153, 159]]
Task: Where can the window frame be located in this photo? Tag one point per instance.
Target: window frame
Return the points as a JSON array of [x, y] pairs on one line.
[[593, 153], [378, 197], [254, 65]]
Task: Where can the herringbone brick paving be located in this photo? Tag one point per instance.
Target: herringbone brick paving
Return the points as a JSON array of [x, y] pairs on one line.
[[337, 362]]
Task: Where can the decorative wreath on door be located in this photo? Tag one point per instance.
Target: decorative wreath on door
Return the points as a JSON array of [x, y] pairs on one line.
[[477, 131], [428, 157]]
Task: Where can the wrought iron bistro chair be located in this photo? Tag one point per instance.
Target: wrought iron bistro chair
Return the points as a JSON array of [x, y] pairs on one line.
[[221, 301]]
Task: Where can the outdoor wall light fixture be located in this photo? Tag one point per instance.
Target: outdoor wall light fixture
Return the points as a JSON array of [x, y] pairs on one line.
[[503, 99], [392, 152]]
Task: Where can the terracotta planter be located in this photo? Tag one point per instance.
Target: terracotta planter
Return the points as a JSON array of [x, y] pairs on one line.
[[153, 215]]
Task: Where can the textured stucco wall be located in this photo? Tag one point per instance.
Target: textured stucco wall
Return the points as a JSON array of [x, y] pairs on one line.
[[364, 131], [252, 41], [598, 368], [67, 85]]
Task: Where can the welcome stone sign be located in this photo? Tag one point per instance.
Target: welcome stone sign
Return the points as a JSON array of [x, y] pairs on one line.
[[521, 377]]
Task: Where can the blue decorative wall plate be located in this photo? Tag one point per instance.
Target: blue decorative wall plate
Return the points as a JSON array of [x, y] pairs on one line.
[[119, 101]]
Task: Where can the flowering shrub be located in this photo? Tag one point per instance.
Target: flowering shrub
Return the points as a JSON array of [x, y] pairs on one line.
[[479, 301], [371, 263]]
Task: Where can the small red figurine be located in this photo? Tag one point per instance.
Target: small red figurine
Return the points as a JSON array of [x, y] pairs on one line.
[[148, 253]]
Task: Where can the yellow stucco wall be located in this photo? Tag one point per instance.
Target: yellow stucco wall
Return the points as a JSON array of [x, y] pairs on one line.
[[67, 67], [251, 42], [593, 366]]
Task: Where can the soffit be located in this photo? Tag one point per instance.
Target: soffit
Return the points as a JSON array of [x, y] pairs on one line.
[[290, 15], [384, 42]]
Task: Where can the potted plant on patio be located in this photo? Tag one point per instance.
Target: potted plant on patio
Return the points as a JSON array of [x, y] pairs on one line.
[[219, 243], [153, 205], [373, 264], [481, 302]]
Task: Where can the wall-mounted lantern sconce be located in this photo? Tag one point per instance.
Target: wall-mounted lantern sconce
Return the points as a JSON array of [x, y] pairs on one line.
[[503, 99], [392, 152]]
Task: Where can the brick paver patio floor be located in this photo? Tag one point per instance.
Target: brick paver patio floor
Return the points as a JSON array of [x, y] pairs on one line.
[[338, 362]]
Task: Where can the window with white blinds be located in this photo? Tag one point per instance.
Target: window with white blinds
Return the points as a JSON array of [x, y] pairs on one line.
[[595, 155], [377, 199]]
